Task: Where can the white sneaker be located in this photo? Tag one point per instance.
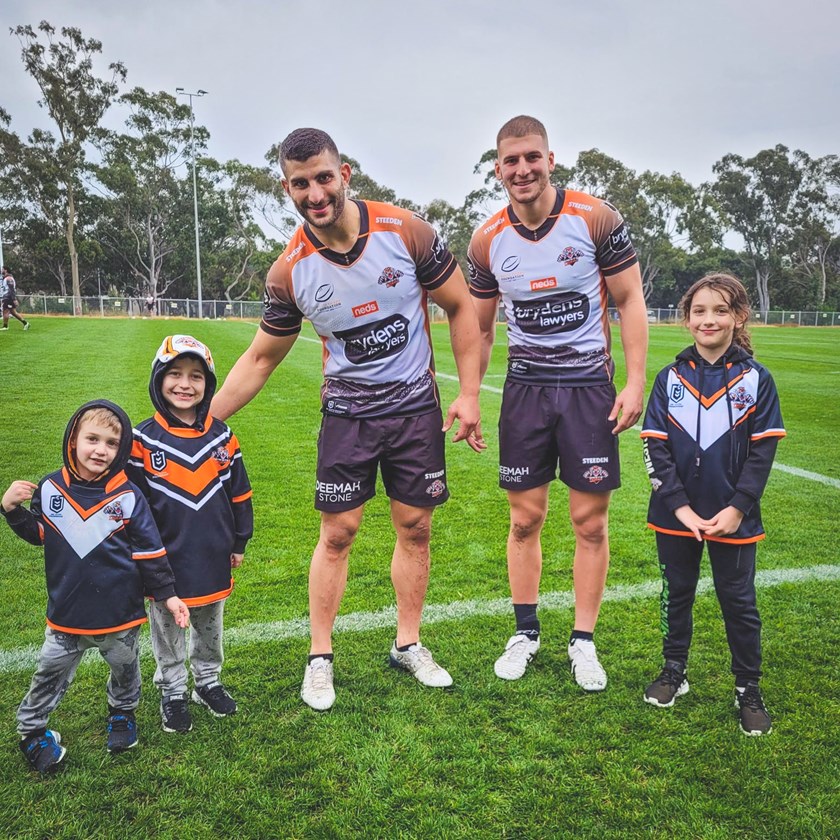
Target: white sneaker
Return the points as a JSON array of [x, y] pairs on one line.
[[317, 690], [418, 660], [586, 668], [519, 651]]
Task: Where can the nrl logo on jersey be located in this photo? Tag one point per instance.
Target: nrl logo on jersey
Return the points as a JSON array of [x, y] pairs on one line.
[[741, 398], [677, 393], [158, 460], [56, 504], [569, 255], [114, 511], [221, 456], [390, 277]]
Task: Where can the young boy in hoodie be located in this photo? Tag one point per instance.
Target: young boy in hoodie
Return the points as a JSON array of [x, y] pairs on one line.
[[191, 470], [102, 551]]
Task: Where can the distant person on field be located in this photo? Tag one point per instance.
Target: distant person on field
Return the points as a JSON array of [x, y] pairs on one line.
[[102, 551], [552, 257], [190, 468], [710, 435], [150, 305], [360, 271], [9, 301]]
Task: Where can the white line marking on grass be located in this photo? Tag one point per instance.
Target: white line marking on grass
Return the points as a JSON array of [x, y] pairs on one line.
[[823, 479], [22, 659]]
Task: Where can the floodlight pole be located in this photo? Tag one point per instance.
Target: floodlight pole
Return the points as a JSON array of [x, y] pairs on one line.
[[197, 93]]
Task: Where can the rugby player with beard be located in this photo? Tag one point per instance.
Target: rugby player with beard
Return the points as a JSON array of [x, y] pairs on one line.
[[361, 272]]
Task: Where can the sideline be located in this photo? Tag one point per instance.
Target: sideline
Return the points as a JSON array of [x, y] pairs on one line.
[[359, 622]]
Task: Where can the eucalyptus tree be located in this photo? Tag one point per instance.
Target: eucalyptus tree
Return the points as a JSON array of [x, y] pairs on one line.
[[147, 207], [76, 98]]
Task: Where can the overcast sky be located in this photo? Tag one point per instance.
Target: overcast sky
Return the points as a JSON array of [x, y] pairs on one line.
[[416, 91]]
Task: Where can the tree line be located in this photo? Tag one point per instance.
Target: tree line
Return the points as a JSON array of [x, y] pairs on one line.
[[85, 209]]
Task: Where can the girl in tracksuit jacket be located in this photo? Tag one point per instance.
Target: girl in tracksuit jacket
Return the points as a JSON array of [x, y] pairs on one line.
[[710, 433]]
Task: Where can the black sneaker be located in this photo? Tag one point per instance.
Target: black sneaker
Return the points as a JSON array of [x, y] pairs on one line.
[[43, 750], [175, 713], [122, 730], [754, 717], [670, 684], [216, 698]]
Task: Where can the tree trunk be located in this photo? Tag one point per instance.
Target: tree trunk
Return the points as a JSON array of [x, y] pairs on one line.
[[74, 256], [762, 277]]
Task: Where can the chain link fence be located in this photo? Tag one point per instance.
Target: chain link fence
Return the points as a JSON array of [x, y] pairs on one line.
[[105, 307]]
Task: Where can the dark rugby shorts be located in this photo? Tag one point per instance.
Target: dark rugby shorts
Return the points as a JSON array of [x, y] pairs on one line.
[[10, 303], [408, 450], [543, 427]]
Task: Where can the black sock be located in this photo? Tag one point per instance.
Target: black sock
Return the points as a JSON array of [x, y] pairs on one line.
[[404, 648], [327, 656], [580, 634], [527, 623]]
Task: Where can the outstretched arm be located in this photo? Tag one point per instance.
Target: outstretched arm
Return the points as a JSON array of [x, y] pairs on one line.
[[250, 373]]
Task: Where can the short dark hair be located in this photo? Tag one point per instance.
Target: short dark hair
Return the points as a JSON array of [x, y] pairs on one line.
[[304, 143], [521, 126]]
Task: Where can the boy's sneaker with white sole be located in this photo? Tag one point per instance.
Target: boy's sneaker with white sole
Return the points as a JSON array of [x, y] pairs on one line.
[[670, 684]]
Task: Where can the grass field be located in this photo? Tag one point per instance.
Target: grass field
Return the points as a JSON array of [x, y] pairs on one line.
[[532, 759]]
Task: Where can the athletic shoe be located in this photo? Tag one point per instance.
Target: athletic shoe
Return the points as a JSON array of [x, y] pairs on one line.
[[317, 690], [26, 326], [519, 651], [122, 731], [670, 684], [43, 750], [417, 660], [3, 328], [586, 668], [754, 717], [215, 698], [175, 713]]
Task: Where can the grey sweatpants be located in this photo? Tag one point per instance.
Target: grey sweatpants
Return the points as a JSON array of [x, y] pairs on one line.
[[57, 663], [169, 643]]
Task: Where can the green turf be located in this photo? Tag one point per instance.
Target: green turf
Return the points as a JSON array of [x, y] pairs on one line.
[[535, 758]]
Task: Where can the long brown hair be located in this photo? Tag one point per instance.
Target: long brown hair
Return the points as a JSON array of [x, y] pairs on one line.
[[735, 294]]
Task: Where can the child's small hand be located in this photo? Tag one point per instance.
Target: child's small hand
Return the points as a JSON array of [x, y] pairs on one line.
[[236, 560], [727, 521], [180, 611], [691, 520], [18, 492]]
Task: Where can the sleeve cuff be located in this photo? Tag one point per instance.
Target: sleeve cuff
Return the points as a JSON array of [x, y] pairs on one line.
[[164, 592], [239, 546], [676, 500], [743, 502]]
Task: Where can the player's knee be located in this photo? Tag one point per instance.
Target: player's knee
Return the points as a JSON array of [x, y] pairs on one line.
[[417, 531], [590, 529], [525, 525]]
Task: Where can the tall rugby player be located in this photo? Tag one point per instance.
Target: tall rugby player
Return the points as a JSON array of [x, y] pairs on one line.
[[553, 256], [360, 272]]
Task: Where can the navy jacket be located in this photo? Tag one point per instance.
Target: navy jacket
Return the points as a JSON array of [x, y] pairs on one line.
[[710, 434], [196, 484], [102, 550]]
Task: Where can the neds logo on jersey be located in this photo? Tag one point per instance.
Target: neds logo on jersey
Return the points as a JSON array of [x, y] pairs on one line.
[[371, 342], [365, 309], [551, 314], [543, 283]]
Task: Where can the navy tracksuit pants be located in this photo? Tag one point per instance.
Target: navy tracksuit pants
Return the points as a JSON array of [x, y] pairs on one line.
[[733, 572]]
